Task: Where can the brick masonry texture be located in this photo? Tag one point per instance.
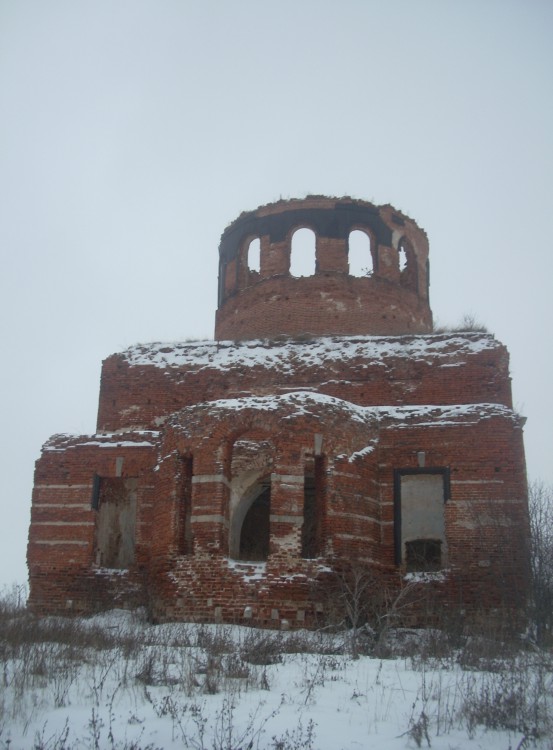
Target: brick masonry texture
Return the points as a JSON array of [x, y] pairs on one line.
[[241, 479]]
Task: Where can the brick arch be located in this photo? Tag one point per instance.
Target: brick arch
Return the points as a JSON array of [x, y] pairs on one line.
[[218, 425], [292, 429]]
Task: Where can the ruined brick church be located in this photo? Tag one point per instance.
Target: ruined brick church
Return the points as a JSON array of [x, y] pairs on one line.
[[325, 426]]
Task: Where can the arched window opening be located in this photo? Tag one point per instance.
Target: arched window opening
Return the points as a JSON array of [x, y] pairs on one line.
[[359, 254], [251, 468], [313, 503], [303, 253], [184, 508], [402, 259], [407, 265], [254, 534], [254, 255]]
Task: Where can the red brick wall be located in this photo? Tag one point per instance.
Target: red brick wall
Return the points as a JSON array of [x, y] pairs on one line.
[[438, 369], [61, 549], [486, 525], [486, 518], [327, 303]]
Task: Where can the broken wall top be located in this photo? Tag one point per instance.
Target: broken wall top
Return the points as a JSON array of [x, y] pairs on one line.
[[389, 297]]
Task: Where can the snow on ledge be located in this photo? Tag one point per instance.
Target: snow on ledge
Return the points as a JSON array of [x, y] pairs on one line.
[[438, 576], [302, 403], [129, 439]]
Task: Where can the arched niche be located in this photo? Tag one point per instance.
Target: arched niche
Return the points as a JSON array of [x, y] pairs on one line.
[[303, 244]]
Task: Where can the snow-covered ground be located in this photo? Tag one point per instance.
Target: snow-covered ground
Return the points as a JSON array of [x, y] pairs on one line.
[[114, 681]]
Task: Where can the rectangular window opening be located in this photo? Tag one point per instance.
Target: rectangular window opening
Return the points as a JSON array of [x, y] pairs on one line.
[[114, 498], [184, 509], [313, 508], [419, 518]]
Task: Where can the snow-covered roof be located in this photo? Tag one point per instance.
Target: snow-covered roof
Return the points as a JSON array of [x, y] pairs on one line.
[[288, 355]]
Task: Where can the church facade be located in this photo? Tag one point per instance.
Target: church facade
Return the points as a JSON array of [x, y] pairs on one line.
[[326, 428]]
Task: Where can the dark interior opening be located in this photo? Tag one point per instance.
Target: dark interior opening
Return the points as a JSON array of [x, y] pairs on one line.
[[116, 521], [309, 528], [313, 504], [254, 535], [423, 555], [185, 506]]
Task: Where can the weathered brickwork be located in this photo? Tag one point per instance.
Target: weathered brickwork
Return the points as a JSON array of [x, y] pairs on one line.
[[325, 428], [271, 302]]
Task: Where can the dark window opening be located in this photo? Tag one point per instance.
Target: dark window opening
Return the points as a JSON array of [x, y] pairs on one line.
[[309, 528], [423, 555], [115, 500], [184, 508], [254, 534], [313, 503], [96, 485]]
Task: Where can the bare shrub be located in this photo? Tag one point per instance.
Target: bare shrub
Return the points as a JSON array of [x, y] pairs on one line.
[[486, 654], [418, 730], [540, 502], [13, 601], [234, 667], [262, 648], [432, 647], [223, 731], [357, 600], [215, 641], [468, 324], [513, 699], [56, 741], [147, 671], [310, 642], [300, 738]]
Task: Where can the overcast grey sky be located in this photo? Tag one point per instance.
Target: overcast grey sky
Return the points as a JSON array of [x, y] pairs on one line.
[[133, 131]]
